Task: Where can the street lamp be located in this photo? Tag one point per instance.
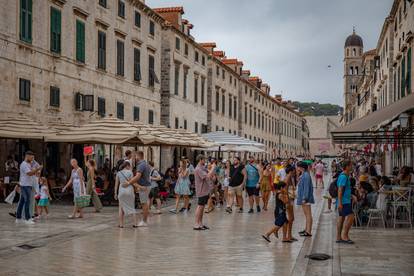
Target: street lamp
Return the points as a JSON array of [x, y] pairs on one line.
[[403, 120]]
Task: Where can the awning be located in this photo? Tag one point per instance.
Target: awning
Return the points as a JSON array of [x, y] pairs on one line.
[[222, 138], [22, 127], [114, 131], [366, 129]]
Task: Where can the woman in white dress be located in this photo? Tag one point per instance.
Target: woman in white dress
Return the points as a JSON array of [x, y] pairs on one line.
[[125, 194], [78, 185]]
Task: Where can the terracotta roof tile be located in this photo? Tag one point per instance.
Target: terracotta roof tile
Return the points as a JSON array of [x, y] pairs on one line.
[[230, 61], [208, 44], [169, 9], [218, 53]]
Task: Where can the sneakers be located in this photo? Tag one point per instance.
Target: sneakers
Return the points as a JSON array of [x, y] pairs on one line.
[[229, 210], [241, 210], [158, 212], [258, 208], [142, 224], [251, 211], [29, 221], [173, 211], [182, 209], [19, 221]]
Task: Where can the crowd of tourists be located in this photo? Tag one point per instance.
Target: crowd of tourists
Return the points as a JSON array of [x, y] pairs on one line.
[[212, 183]]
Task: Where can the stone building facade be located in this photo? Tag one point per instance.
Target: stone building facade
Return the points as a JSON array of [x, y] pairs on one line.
[[67, 62], [386, 75]]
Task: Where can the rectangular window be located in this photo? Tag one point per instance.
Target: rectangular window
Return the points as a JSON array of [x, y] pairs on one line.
[[103, 3], [203, 60], [101, 107], [185, 124], [196, 127], [78, 101], [150, 117], [54, 96], [177, 123], [26, 17], [186, 49], [87, 103], [235, 108], [217, 71], [177, 43], [121, 9], [136, 113], [203, 82], [403, 77], [152, 28], [55, 30], [176, 78], [223, 103], [119, 58], [120, 110], [224, 74], [24, 90], [230, 106], [185, 84], [195, 88], [196, 56], [101, 50], [80, 41], [152, 76], [217, 101], [137, 19], [245, 114], [137, 64]]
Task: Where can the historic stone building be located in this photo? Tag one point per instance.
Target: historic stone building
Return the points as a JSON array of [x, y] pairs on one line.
[[67, 62], [386, 75]]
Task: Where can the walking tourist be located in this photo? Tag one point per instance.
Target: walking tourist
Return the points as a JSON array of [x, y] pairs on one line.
[[344, 204], [201, 177], [78, 185], [291, 192], [125, 194], [226, 180], [213, 171], [27, 178], [182, 188], [253, 184], [238, 178], [142, 177], [280, 212], [155, 189], [266, 184], [90, 184], [305, 197], [43, 204], [319, 170]]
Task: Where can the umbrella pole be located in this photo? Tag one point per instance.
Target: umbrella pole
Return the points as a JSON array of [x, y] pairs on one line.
[[219, 151], [160, 159]]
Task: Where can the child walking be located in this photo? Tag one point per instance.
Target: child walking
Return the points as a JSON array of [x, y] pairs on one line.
[[44, 197], [280, 211]]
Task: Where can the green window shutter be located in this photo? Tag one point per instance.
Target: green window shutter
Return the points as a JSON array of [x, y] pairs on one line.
[[26, 20], [409, 61], [55, 30], [403, 77], [80, 41]]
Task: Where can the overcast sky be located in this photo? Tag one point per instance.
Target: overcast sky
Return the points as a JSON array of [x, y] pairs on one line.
[[288, 43]]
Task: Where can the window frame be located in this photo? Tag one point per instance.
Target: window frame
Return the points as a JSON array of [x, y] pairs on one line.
[[24, 89], [54, 96]]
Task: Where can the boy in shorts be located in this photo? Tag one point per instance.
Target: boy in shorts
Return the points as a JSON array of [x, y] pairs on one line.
[[280, 211]]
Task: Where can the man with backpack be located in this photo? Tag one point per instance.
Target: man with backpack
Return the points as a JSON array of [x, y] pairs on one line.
[[156, 180], [344, 204]]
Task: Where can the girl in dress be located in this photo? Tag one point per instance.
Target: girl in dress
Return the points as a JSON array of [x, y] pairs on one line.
[[266, 185], [182, 188], [126, 194], [78, 184], [44, 197], [90, 184]]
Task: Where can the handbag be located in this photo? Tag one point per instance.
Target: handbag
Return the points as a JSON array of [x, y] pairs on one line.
[[82, 201], [10, 198]]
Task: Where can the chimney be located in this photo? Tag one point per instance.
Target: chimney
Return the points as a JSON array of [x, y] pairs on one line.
[[209, 46], [239, 67], [219, 54], [265, 88], [172, 15], [278, 97], [245, 74], [256, 81], [232, 63]]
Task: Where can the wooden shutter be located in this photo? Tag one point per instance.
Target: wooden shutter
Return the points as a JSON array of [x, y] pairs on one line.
[[55, 30], [101, 50], [137, 64], [101, 107], [80, 41], [136, 113], [26, 20]]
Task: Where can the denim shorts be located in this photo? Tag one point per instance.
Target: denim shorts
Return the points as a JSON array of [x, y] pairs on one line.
[[346, 210]]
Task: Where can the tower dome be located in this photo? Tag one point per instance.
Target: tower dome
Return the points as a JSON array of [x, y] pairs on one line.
[[354, 40]]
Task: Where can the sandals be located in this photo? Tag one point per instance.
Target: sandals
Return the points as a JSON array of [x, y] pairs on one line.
[[266, 238], [306, 234], [293, 239], [287, 241], [345, 241], [205, 227], [198, 228], [120, 226]]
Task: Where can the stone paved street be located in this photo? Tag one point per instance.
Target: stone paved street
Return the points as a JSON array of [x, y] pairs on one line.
[[94, 246]]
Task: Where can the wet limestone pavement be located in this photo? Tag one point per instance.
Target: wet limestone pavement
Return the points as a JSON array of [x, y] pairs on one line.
[[169, 246]]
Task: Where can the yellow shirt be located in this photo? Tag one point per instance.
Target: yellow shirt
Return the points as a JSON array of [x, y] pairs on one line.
[[276, 178]]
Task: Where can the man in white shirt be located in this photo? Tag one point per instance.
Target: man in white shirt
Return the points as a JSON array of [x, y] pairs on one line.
[[27, 178]]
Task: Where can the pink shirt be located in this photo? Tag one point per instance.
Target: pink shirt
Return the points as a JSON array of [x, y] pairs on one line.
[[319, 169], [201, 181]]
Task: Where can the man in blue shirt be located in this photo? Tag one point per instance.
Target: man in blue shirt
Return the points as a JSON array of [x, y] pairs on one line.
[[252, 184], [344, 203]]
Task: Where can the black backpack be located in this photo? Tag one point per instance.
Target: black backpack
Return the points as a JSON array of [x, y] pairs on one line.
[[333, 188]]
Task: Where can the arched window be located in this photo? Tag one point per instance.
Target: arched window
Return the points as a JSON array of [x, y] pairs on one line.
[[351, 70], [356, 70], [354, 52]]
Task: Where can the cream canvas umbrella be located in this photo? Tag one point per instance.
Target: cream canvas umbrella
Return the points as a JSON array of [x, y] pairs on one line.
[[22, 127]]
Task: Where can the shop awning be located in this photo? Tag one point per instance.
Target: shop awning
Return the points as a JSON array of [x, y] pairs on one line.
[[114, 131], [22, 127], [222, 138], [367, 128]]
